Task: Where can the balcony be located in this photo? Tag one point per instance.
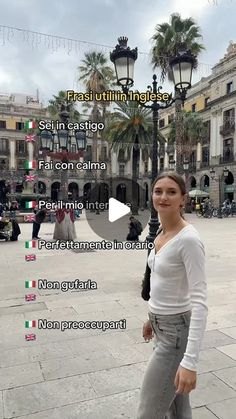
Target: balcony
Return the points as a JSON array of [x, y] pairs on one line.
[[227, 129], [228, 158]]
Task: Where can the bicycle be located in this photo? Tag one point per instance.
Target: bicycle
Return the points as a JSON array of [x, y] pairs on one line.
[[226, 212], [208, 213]]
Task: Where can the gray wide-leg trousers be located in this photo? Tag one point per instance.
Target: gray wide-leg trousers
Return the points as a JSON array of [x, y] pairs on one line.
[[158, 399]]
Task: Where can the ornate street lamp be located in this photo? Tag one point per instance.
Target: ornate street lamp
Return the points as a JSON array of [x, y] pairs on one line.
[[220, 180], [124, 58], [182, 64], [80, 137], [47, 140], [182, 68], [63, 138]]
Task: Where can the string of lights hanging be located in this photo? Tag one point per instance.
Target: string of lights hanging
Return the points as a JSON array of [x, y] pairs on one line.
[[55, 43]]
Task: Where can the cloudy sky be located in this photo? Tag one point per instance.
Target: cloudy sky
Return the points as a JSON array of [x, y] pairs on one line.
[[28, 61]]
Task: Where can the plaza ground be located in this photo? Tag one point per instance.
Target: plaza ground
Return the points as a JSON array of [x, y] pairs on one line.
[[90, 374]]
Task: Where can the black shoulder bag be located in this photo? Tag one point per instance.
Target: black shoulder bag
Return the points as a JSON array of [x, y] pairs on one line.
[[145, 293]]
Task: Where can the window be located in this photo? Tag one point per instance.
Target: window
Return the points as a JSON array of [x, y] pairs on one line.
[[206, 101], [145, 167], [205, 155], [103, 153], [121, 169], [170, 118], [161, 164], [21, 164], [162, 123], [21, 147], [228, 150], [3, 145], [194, 107], [89, 153], [193, 157], [19, 126], [229, 117], [2, 124], [121, 155], [229, 87]]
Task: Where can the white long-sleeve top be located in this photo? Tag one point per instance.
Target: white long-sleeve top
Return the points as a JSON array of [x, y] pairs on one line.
[[178, 284]]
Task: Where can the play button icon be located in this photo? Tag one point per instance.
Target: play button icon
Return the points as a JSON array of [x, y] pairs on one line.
[[117, 210], [109, 206]]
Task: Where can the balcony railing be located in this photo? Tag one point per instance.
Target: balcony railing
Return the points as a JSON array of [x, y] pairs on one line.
[[227, 128], [228, 158]]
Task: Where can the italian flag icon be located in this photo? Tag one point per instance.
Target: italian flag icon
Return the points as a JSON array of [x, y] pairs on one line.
[[30, 323], [30, 284], [30, 204], [30, 124], [30, 164], [31, 244]]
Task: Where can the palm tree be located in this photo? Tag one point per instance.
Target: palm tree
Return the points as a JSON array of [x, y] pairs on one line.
[[54, 106], [168, 40], [194, 131], [130, 131], [97, 76]]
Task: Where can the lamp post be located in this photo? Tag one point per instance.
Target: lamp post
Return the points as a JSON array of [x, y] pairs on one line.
[[182, 64], [220, 182], [186, 173], [64, 142]]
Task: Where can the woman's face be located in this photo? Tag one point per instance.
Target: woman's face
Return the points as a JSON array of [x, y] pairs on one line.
[[167, 197]]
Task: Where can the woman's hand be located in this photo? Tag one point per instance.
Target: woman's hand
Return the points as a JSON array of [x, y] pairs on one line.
[[147, 331], [185, 380]]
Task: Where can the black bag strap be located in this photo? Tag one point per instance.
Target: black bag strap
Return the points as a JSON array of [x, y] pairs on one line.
[[145, 293]]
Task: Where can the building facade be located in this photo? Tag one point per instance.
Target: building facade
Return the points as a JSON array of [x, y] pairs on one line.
[[214, 98], [15, 110]]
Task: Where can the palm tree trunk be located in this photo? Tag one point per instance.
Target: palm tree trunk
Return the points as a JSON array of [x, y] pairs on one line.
[[135, 182], [96, 190], [179, 133]]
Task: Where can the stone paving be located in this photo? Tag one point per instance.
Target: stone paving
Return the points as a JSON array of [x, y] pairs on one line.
[[90, 374]]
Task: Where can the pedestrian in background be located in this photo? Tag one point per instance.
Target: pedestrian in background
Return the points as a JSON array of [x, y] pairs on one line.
[[135, 229], [40, 216], [65, 225], [13, 208]]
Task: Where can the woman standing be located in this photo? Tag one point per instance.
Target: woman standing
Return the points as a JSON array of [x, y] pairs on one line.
[[65, 225], [177, 306]]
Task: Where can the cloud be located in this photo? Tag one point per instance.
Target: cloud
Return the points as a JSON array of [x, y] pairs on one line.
[[187, 8], [26, 66]]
